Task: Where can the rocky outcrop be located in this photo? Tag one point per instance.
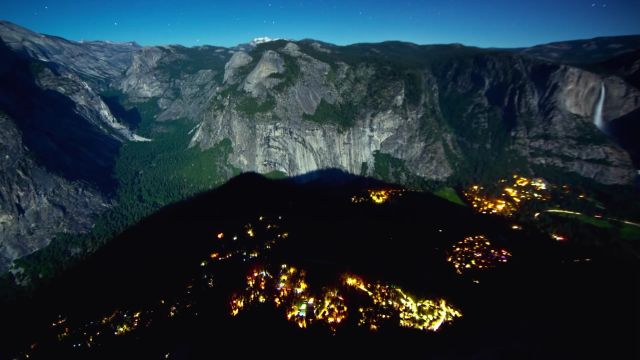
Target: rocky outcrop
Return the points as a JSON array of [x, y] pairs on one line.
[[238, 60], [87, 103], [35, 204], [98, 62], [141, 80], [259, 79]]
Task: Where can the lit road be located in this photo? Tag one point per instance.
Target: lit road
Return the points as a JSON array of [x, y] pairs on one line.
[[560, 211]]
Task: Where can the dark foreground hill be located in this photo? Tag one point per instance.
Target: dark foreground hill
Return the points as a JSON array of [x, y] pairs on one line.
[[166, 287]]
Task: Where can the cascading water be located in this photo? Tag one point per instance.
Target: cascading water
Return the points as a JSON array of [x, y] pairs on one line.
[[597, 115]]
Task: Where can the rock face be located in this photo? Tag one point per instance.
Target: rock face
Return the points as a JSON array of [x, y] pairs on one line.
[[476, 110], [259, 79], [396, 111], [238, 60], [97, 61], [59, 140], [35, 204], [140, 80]]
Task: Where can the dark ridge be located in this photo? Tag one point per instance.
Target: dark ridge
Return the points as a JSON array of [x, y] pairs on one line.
[[336, 178]]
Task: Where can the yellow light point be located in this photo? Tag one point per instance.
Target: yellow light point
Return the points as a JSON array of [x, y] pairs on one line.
[[215, 256], [250, 232], [379, 196], [354, 281], [297, 312], [237, 304], [302, 286], [558, 237], [516, 227], [122, 329], [220, 236]]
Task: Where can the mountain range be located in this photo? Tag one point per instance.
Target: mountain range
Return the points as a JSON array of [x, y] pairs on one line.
[[94, 136]]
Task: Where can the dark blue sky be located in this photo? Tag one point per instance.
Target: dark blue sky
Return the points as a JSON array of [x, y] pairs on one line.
[[487, 23]]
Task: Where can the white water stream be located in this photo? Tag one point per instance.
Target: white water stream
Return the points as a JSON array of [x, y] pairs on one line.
[[597, 115]]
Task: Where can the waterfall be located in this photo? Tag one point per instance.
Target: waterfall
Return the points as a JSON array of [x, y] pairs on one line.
[[597, 115]]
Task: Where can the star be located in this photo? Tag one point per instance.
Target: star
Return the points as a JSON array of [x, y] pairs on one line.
[[115, 23]]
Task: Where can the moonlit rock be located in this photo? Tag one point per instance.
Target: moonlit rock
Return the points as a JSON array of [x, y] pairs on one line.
[[262, 40]]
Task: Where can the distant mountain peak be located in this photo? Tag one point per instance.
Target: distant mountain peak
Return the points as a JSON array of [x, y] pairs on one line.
[[262, 40]]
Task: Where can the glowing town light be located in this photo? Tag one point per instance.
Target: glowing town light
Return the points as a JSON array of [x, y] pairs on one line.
[[290, 291], [379, 196], [476, 252]]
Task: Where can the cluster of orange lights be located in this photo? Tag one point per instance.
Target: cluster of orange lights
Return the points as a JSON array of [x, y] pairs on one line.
[[227, 245], [476, 253], [379, 196], [117, 323], [290, 291], [387, 303], [513, 194], [390, 303], [235, 244]]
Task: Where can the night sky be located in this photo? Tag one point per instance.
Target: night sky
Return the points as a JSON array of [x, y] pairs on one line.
[[487, 23]]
